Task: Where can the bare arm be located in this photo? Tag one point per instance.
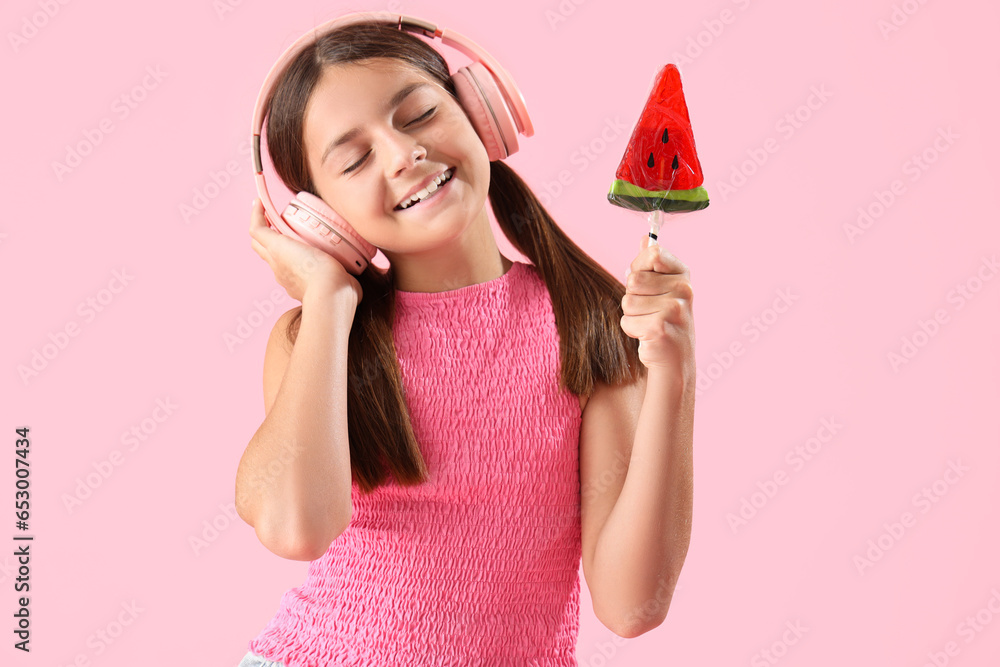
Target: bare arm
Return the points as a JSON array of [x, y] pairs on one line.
[[293, 483], [637, 495]]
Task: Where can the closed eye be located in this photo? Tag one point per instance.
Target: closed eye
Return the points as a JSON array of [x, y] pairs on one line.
[[358, 164]]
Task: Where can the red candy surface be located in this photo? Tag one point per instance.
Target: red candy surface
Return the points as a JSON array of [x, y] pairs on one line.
[[661, 153]]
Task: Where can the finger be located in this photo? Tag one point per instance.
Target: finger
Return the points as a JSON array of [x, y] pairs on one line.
[[257, 247], [673, 261], [657, 258], [652, 283], [641, 326], [646, 304], [643, 244], [260, 250], [672, 312], [636, 305], [258, 220], [254, 213]]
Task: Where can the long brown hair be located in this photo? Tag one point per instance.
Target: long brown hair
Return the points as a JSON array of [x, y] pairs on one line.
[[586, 299]]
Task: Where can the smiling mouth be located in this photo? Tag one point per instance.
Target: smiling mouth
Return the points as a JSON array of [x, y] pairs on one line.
[[410, 203]]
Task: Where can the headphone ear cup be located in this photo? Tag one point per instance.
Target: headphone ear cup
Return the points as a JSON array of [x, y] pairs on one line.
[[480, 97], [321, 227]]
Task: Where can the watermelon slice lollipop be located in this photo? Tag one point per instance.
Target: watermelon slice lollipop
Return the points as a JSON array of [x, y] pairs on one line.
[[660, 170]]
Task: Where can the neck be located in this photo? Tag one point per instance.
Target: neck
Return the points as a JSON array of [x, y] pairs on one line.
[[469, 259]]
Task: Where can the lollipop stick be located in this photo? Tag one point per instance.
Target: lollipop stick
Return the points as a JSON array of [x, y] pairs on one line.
[[655, 220]]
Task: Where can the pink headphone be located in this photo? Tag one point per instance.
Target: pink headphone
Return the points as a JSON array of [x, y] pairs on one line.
[[485, 91]]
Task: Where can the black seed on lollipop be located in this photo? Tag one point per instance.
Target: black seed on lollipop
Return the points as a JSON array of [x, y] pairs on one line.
[[673, 165], [664, 138], [649, 162]]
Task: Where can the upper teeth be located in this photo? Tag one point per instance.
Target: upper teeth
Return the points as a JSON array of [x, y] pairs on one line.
[[431, 187]]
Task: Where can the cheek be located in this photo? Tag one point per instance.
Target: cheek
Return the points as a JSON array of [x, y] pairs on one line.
[[462, 138], [458, 129]]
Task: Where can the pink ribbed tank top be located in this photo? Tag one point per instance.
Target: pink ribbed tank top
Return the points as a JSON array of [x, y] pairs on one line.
[[479, 565]]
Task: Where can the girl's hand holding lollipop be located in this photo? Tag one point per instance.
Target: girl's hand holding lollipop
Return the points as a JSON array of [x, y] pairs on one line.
[[657, 307]]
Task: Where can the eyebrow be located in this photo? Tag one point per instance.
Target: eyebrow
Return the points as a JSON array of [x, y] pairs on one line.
[[394, 102]]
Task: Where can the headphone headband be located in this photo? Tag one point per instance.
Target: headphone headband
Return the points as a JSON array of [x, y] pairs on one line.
[[449, 38]]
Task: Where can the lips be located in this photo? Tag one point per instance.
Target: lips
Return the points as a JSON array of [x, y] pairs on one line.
[[423, 186]]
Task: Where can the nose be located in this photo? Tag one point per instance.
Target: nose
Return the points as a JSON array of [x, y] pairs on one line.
[[405, 151]]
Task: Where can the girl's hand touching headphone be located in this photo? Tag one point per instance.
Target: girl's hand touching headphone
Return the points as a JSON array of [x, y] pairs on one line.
[[297, 265]]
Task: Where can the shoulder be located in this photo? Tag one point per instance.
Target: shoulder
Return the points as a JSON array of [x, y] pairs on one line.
[[279, 332], [530, 286], [615, 397], [276, 356]]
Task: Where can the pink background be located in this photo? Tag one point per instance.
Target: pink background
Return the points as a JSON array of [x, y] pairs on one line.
[[787, 181]]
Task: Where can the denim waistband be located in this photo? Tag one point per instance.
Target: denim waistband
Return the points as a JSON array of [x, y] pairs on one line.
[[251, 659]]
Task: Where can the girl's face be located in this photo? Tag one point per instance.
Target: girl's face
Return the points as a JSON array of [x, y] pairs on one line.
[[368, 148]]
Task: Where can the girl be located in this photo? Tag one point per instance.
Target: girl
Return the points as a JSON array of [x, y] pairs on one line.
[[446, 439]]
